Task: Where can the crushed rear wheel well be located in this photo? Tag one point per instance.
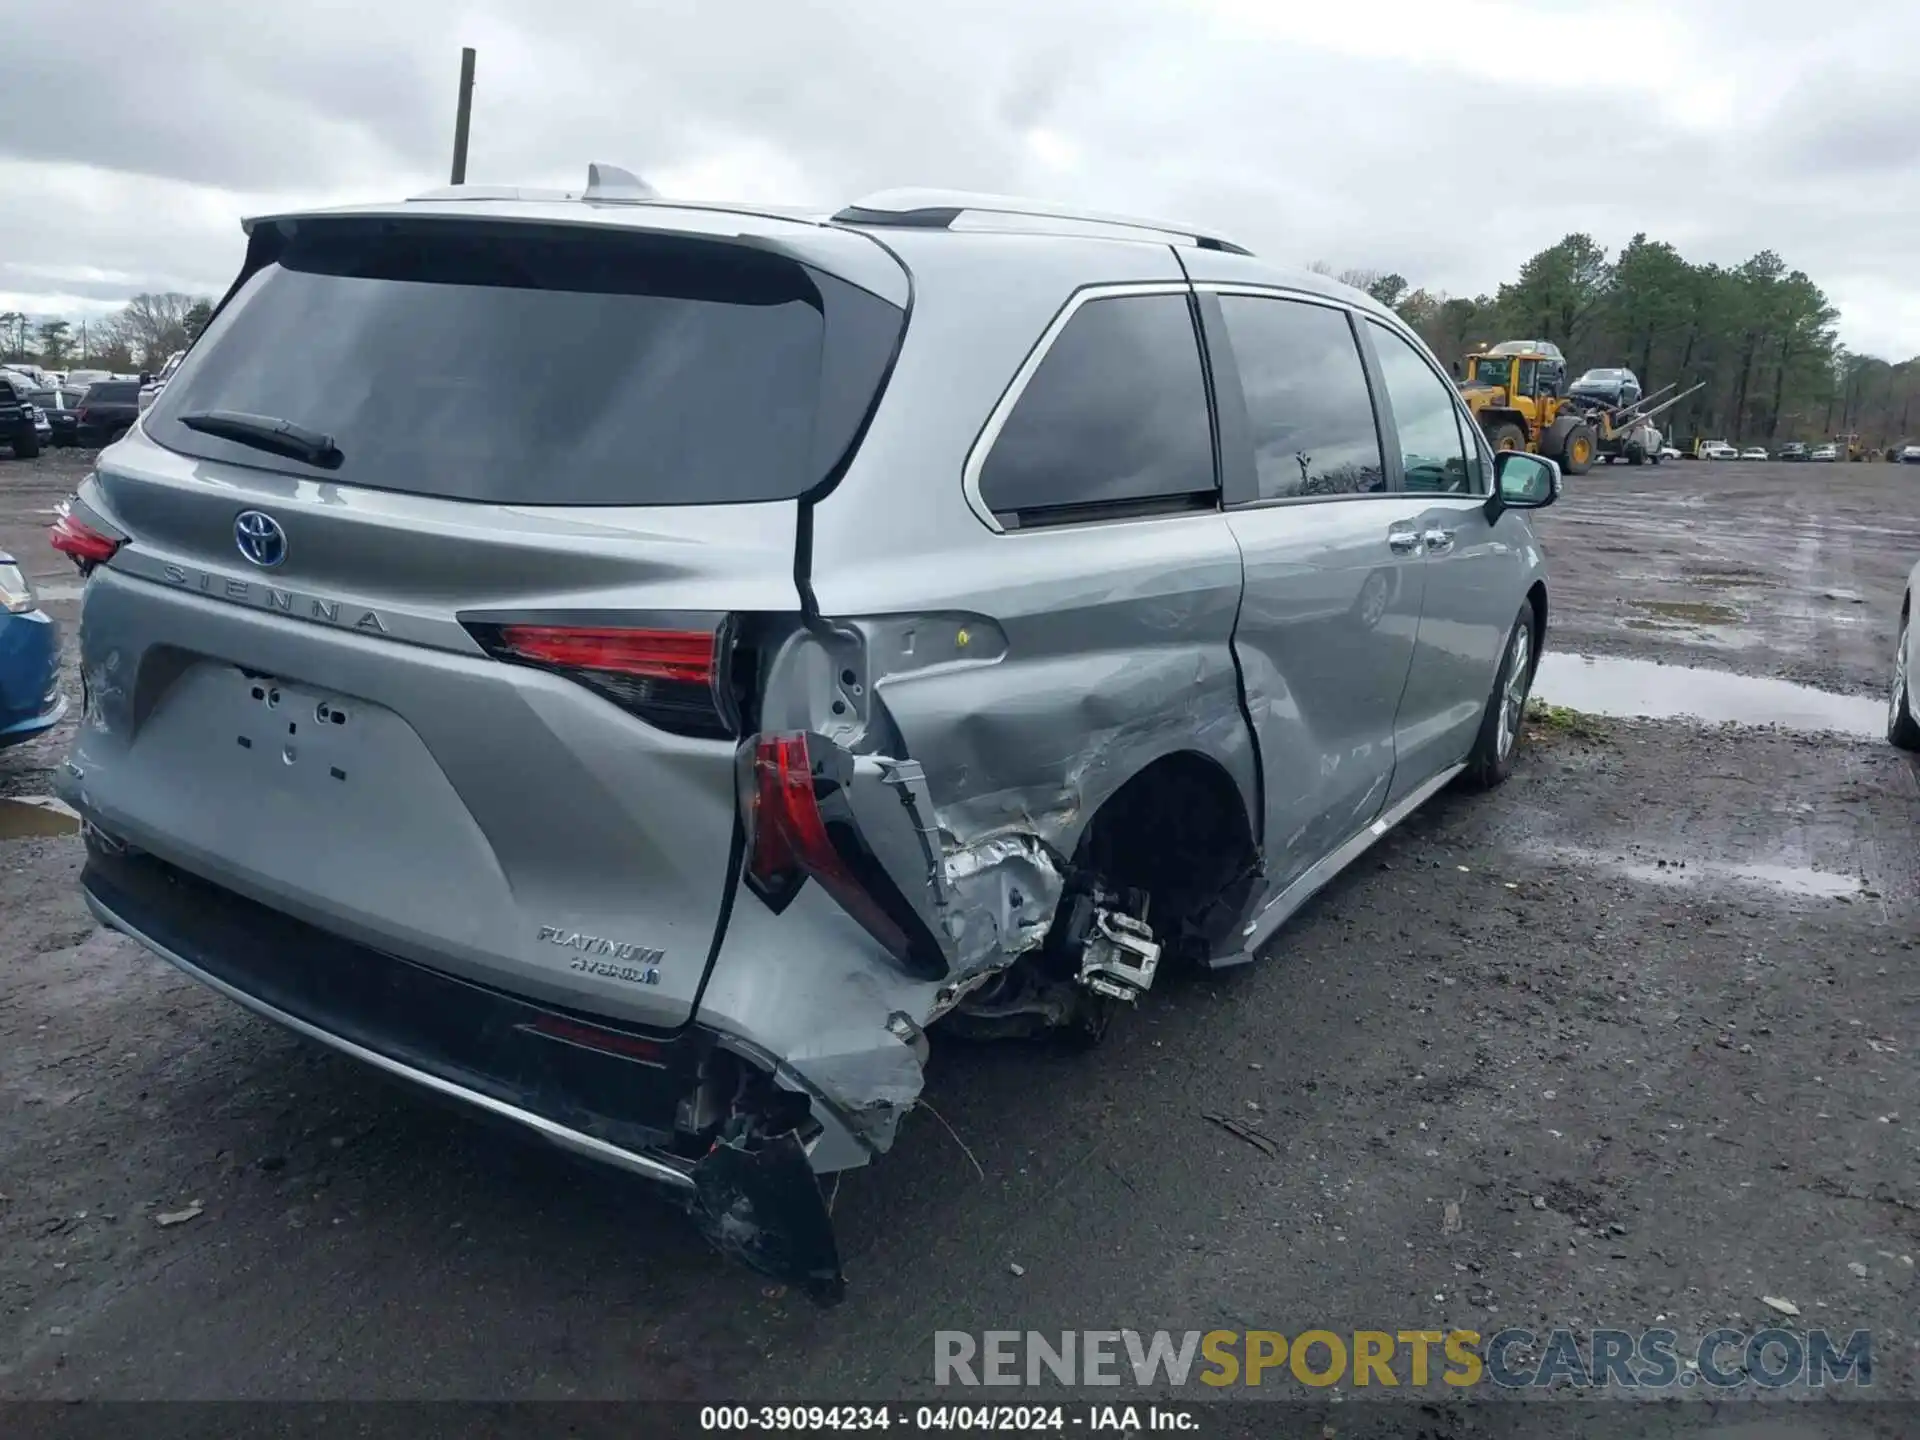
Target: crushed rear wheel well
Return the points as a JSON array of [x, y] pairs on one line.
[[1178, 830]]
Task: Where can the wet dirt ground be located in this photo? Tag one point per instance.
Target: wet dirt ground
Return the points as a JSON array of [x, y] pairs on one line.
[[1788, 570], [1628, 1042]]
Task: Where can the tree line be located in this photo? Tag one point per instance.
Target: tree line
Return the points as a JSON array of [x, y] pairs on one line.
[[1759, 335], [140, 337]]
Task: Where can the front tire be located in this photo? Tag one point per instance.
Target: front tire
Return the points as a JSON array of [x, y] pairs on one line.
[[1506, 436], [1576, 455], [1903, 731], [1491, 759]]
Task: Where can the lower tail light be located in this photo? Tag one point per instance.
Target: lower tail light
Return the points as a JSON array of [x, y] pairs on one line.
[[677, 680], [80, 542], [798, 827]]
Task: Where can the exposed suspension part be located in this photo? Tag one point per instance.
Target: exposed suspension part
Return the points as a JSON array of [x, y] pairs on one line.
[[1119, 955]]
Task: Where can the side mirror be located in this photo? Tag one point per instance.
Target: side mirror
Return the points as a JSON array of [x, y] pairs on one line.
[[1522, 481]]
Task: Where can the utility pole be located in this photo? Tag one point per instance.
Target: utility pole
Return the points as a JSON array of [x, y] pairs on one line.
[[462, 116]]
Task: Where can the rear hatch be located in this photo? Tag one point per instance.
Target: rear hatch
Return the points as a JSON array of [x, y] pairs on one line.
[[437, 545]]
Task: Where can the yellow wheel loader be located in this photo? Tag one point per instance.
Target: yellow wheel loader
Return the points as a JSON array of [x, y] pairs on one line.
[[1515, 390]]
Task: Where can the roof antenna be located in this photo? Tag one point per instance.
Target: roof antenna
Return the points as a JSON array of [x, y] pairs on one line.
[[610, 182]]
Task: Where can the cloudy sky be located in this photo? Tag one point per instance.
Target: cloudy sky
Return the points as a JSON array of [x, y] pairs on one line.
[[1446, 141]]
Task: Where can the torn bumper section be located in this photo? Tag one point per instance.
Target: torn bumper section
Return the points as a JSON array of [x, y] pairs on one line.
[[757, 1201]]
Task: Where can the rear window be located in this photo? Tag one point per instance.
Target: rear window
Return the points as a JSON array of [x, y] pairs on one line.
[[1113, 421], [112, 392], [541, 365]]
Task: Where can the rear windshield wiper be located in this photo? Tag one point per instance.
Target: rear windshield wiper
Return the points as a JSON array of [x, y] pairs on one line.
[[269, 433]]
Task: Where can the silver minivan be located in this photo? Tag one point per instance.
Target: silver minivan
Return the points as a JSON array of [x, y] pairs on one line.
[[635, 666]]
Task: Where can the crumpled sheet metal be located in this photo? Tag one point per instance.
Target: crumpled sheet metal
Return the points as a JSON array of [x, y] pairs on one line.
[[1002, 894]]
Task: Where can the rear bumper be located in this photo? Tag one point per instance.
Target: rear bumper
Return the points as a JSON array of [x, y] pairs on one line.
[[498, 1053], [549, 1072]]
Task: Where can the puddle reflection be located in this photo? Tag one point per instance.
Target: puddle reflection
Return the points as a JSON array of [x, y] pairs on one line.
[[1631, 689], [1791, 879]]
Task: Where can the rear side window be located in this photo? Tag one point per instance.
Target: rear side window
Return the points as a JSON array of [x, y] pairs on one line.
[[1308, 409], [1431, 453], [1114, 421], [538, 365]]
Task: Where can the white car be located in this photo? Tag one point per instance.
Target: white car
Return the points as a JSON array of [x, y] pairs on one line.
[[1910, 454], [1824, 452], [1718, 450], [1667, 452], [1754, 452]]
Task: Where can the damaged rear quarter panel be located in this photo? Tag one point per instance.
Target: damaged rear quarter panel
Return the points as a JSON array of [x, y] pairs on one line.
[[1089, 651]]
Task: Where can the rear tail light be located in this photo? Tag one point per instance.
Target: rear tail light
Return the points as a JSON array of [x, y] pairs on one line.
[[83, 544], [677, 680], [798, 825]]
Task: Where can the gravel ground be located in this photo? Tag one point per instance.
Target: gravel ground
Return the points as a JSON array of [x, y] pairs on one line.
[[1628, 1042], [1788, 570]]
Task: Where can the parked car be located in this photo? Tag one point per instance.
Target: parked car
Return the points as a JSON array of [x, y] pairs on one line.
[[1910, 454], [1613, 387], [1668, 452], [21, 424], [150, 390], [1792, 450], [62, 412], [1824, 452], [30, 700], [40, 378], [79, 380], [1903, 728], [540, 765], [108, 410], [1718, 450], [1755, 452]]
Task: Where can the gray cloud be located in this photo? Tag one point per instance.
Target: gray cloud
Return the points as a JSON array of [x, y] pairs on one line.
[[1391, 139]]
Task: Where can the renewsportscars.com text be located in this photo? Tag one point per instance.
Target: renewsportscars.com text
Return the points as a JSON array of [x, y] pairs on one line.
[[1653, 1359]]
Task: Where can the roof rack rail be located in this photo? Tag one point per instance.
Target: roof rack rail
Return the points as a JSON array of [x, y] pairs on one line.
[[950, 209]]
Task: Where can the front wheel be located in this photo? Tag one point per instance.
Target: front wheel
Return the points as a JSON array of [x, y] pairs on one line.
[[1903, 731], [1576, 455], [1506, 436], [1491, 759]]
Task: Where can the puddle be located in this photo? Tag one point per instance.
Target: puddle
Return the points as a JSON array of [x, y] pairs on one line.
[[1789, 879], [1630, 689], [1692, 612], [59, 589], [28, 815], [1729, 580]]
